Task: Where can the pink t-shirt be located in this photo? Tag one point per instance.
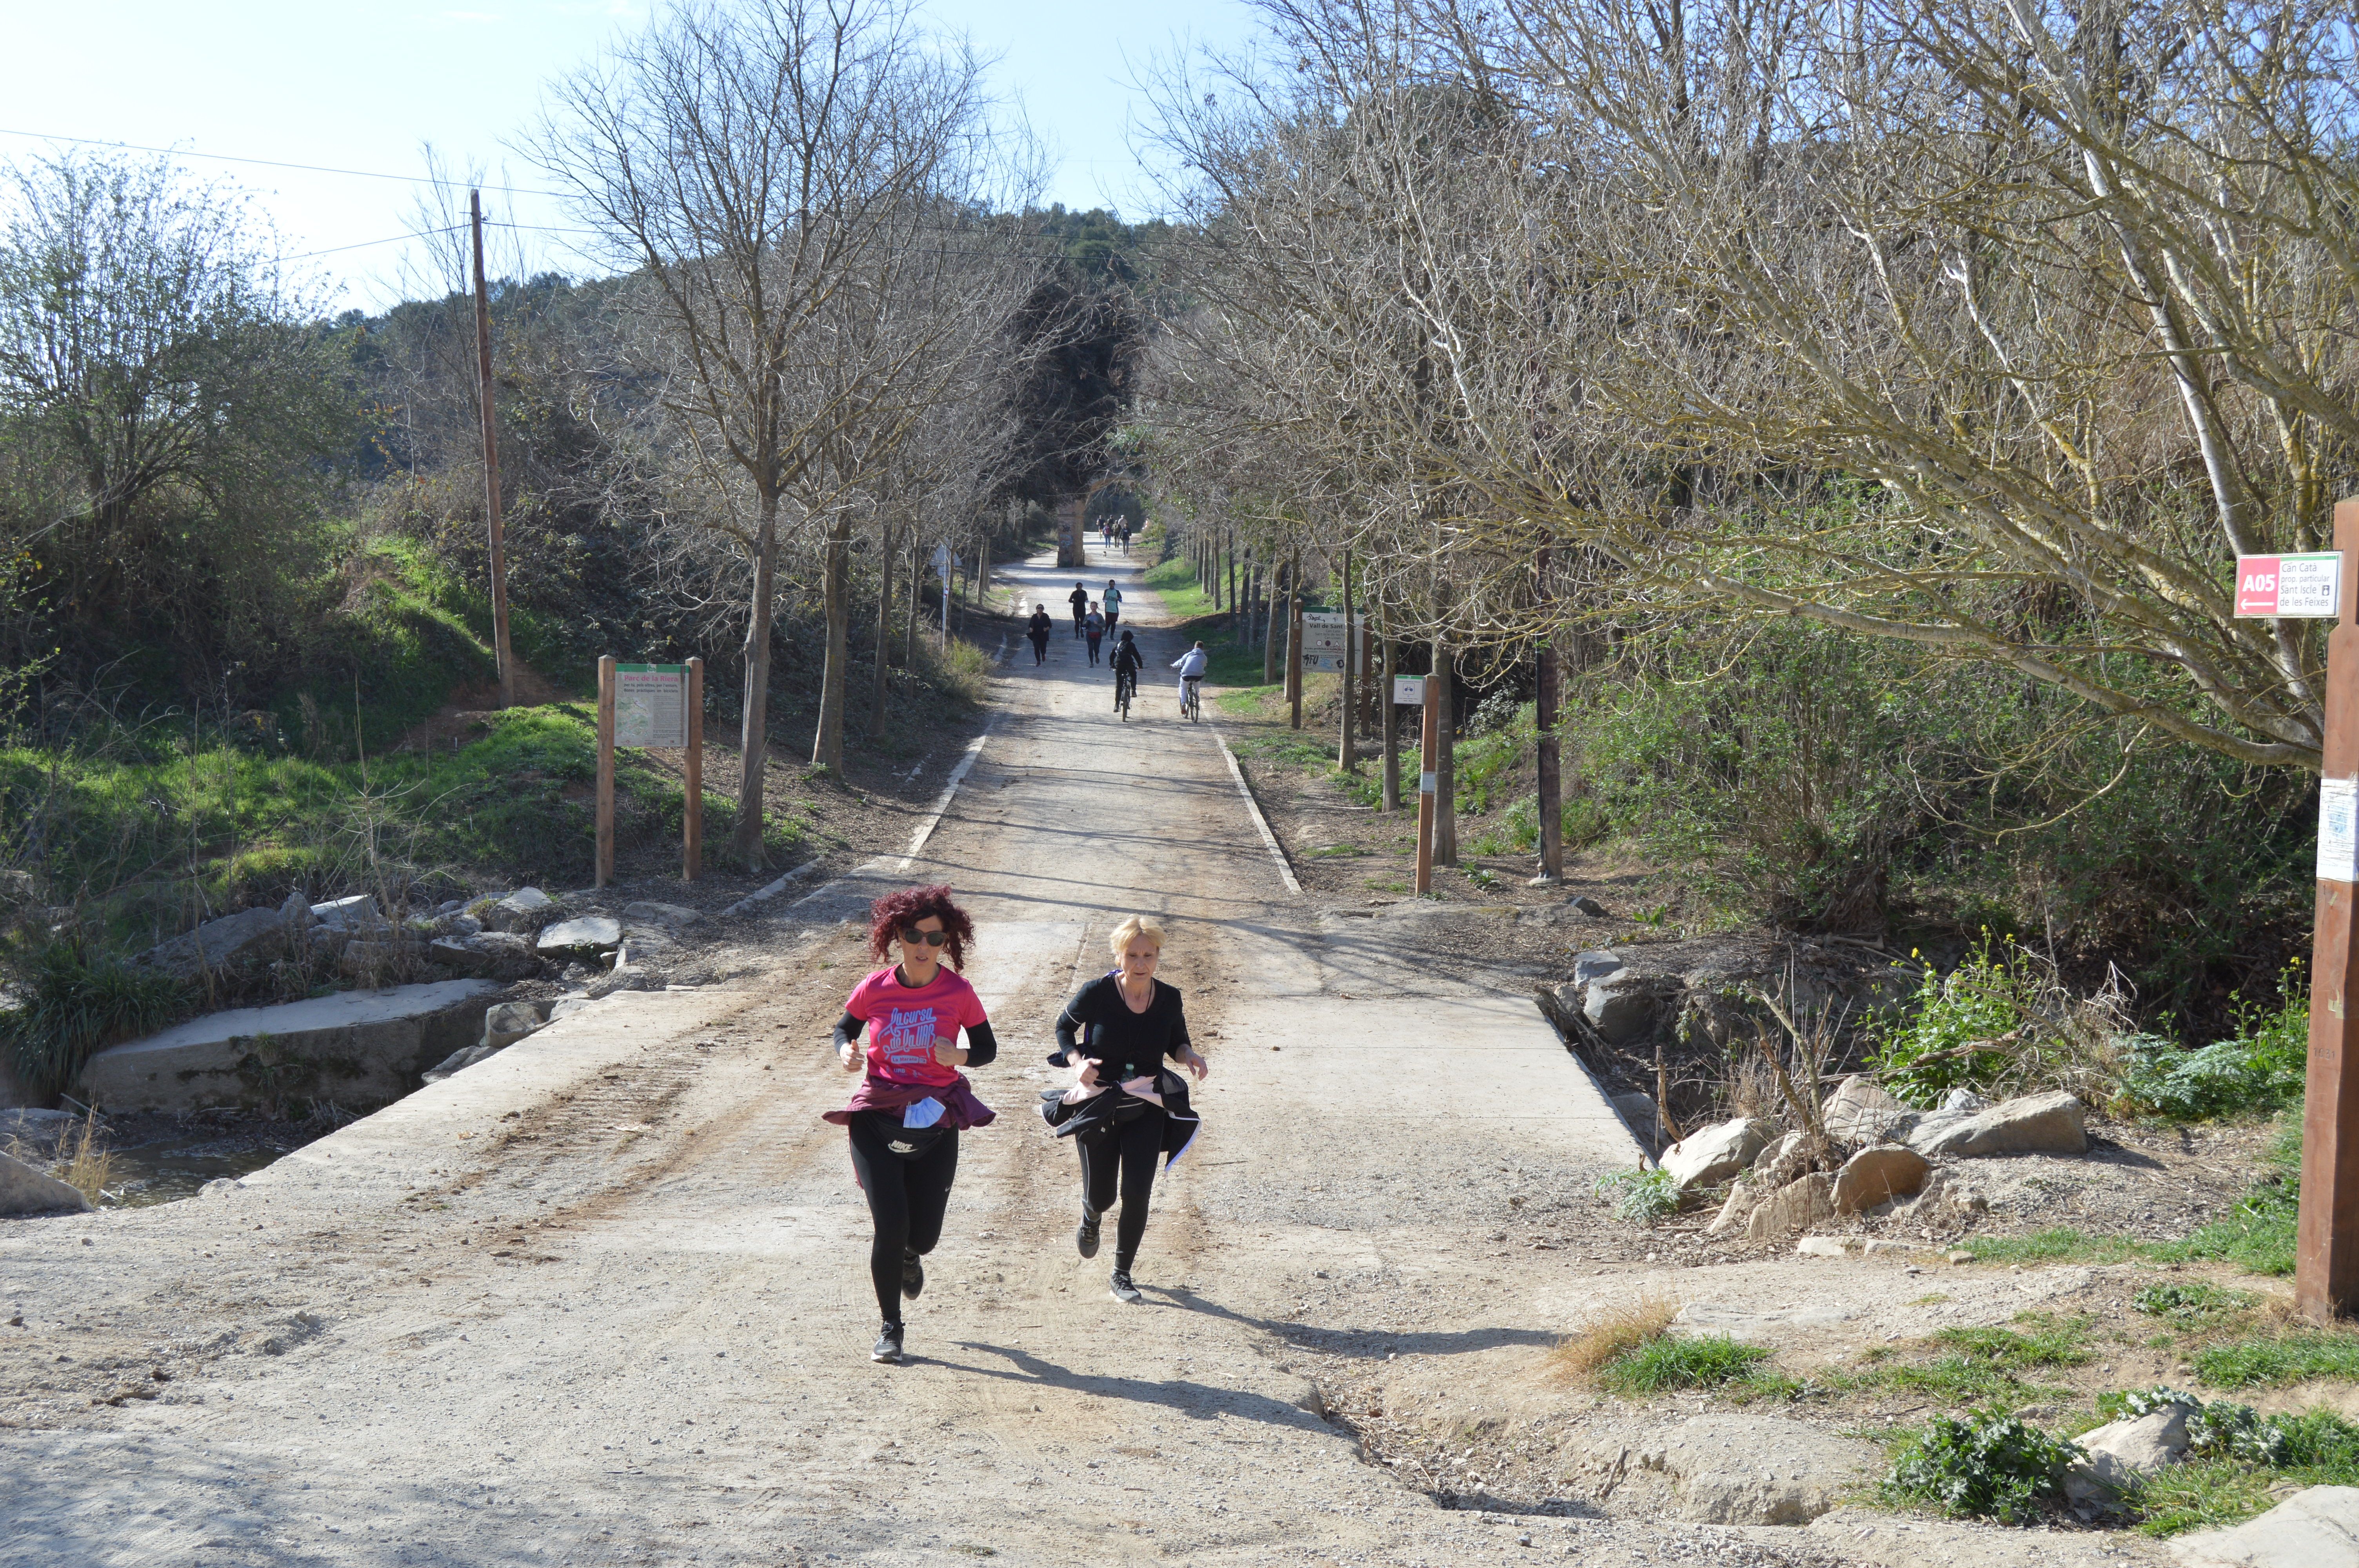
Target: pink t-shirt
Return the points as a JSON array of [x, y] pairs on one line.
[[904, 1022]]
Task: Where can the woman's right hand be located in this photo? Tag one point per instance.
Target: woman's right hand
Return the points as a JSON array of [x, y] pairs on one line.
[[848, 1053], [1086, 1076]]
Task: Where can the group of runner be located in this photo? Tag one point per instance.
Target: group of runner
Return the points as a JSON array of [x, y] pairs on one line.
[[1122, 1108], [1113, 531]]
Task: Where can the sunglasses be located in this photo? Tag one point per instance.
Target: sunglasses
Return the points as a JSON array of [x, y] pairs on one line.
[[912, 936]]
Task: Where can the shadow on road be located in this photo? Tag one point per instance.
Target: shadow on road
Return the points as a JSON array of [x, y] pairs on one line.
[[1198, 1402]]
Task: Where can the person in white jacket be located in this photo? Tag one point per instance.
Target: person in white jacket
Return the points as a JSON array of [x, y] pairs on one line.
[[1191, 665]]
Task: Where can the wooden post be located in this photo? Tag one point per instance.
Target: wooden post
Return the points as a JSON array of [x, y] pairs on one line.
[[1388, 716], [1294, 643], [1428, 756], [691, 815], [1347, 749], [500, 653], [605, 870], [2326, 1260], [1552, 785]]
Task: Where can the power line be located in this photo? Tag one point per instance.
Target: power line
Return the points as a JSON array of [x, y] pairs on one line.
[[275, 163], [364, 244]]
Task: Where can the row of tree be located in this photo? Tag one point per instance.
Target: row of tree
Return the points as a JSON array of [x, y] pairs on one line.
[[1990, 328]]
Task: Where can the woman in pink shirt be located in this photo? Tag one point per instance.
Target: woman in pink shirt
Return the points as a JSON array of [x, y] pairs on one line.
[[906, 1116]]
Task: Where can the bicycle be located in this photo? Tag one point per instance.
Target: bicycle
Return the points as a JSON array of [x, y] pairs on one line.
[[1192, 699], [1126, 686]]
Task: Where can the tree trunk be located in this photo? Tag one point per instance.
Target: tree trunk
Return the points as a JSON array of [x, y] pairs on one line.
[[1228, 550], [1294, 641], [916, 593], [1269, 636], [1551, 786], [753, 736], [1445, 768], [884, 633], [835, 595], [1347, 751]]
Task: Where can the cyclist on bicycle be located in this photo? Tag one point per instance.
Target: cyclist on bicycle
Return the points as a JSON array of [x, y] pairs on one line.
[[1127, 664], [1192, 666]]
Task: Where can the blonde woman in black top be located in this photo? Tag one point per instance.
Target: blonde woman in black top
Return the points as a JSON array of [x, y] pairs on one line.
[[1123, 1109]]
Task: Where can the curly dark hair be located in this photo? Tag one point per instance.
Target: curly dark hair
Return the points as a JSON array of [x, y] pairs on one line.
[[888, 914]]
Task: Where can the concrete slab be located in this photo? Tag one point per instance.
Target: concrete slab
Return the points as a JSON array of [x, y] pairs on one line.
[[356, 1049]]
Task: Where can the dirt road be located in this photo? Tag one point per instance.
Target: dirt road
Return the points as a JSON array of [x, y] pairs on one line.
[[602, 1299]]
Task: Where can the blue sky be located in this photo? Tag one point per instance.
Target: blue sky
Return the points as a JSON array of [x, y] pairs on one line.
[[356, 87]]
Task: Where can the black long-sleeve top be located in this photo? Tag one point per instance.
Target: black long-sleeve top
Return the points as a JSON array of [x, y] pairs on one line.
[[1098, 1024]]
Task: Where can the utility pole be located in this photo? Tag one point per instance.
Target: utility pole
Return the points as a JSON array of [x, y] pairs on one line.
[[1347, 748], [491, 461], [2326, 1255]]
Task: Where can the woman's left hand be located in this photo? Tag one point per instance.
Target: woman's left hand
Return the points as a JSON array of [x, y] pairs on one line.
[[1196, 1065]]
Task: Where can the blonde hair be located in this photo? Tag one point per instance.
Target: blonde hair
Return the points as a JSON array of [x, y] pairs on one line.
[[1137, 925]]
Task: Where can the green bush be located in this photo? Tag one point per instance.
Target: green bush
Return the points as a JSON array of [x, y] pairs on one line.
[[1642, 1197], [1662, 1366], [2263, 1069], [2192, 1304], [1986, 1466], [76, 1001], [1999, 1023]]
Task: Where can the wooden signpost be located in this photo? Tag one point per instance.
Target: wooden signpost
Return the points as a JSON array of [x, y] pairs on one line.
[[2326, 1256], [650, 707], [1427, 694]]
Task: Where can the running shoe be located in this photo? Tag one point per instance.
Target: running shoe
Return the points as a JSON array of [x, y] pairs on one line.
[[888, 1348], [1124, 1291], [1086, 1237], [913, 1274]]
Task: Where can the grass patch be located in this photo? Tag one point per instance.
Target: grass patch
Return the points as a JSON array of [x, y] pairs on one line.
[[1666, 1364], [2194, 1304], [2282, 1359], [1984, 1366], [2055, 1246], [1623, 1327], [1174, 581], [1641, 1197], [1985, 1466]]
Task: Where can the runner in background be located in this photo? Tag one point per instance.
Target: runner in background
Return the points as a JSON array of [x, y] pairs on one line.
[[910, 1107], [1112, 605], [1038, 629], [1080, 600], [1093, 628]]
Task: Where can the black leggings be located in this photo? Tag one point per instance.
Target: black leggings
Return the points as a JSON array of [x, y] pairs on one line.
[[1040, 647], [1126, 1149], [907, 1196]]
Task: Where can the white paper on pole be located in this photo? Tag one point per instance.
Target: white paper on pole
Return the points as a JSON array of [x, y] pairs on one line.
[[1427, 784], [1408, 691], [2338, 830], [650, 707]]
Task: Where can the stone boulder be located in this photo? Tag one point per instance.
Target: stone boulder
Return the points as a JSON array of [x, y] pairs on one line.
[[1744, 1198], [584, 937], [2316, 1527], [1586, 905], [1860, 1112], [526, 910], [1596, 966], [1878, 1173], [1714, 1154], [1638, 1114], [1622, 1011], [25, 1191], [627, 978], [507, 1024], [1796, 1207], [343, 913], [2033, 1124], [2120, 1453], [243, 942], [459, 1062]]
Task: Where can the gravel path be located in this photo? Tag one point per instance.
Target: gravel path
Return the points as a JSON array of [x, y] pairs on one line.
[[602, 1298]]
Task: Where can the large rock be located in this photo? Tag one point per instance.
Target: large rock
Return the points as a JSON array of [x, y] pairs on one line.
[[2119, 1453], [1744, 1198], [25, 1191], [1757, 1470], [343, 913], [489, 955], [1596, 966], [526, 910], [582, 937], [1876, 1173], [357, 1050], [245, 941], [1861, 1112], [458, 1062], [1620, 1010], [2318, 1528], [1714, 1154], [2033, 1124], [509, 1022], [1796, 1207]]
